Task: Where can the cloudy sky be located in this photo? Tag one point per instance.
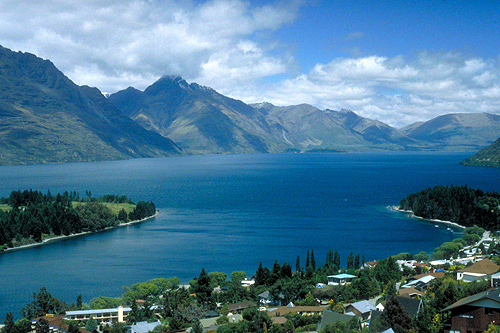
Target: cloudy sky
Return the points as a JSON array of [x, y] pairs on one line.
[[395, 61]]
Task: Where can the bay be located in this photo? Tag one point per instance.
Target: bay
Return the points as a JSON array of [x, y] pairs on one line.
[[230, 212]]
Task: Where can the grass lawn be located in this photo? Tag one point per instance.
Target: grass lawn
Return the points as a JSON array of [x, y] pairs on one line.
[[115, 207], [5, 207]]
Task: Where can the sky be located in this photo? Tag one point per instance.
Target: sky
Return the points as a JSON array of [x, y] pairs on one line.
[[395, 61]]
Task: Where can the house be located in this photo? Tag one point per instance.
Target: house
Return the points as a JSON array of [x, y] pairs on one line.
[[300, 309], [330, 317], [57, 323], [480, 270], [143, 327], [411, 305], [340, 279], [247, 283], [370, 264], [495, 280], [362, 309], [474, 313], [211, 323], [266, 298], [420, 283], [410, 292], [238, 307]]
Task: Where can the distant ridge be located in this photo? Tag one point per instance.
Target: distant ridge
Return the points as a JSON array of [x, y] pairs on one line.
[[488, 156]]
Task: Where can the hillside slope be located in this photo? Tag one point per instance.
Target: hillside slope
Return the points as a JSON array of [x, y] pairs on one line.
[[45, 117], [466, 131], [488, 156]]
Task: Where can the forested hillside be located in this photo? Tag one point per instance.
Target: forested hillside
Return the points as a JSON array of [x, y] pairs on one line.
[[29, 216], [459, 204]]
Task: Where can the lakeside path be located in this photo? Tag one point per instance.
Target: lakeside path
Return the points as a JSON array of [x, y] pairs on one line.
[[396, 208], [48, 240]]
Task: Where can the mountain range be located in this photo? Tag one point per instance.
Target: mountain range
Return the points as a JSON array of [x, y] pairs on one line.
[[46, 118]]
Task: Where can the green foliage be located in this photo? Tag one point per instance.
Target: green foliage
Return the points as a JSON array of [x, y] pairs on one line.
[[141, 290], [197, 328], [73, 327], [10, 326], [238, 276], [91, 325], [202, 288], [421, 256], [394, 316], [42, 326], [142, 210], [43, 303], [351, 326], [217, 278], [35, 215], [447, 250], [104, 302], [458, 204]]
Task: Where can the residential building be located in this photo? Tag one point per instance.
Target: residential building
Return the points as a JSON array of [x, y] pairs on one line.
[[340, 279], [238, 307], [480, 270], [300, 309], [330, 317], [143, 327], [362, 309], [473, 314]]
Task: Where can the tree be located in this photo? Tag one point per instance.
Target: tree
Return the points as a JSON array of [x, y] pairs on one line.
[[91, 325], [197, 328], [336, 260], [79, 302], [350, 261], [356, 262], [202, 287], [73, 327], [313, 261], [122, 215], [42, 304], [394, 316], [42, 326], [297, 265], [9, 324], [238, 276]]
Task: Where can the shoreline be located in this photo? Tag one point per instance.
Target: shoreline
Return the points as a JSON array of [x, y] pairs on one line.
[[46, 241], [396, 208]]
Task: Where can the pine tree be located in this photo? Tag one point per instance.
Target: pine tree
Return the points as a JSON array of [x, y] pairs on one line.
[[91, 325], [313, 261], [297, 265], [202, 287], [336, 261], [308, 262], [395, 316], [356, 262], [9, 327], [350, 261]]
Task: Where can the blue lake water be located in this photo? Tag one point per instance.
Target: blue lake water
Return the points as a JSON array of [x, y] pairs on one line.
[[230, 212]]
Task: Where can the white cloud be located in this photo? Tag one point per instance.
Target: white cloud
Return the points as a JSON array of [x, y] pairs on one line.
[[397, 91], [108, 42]]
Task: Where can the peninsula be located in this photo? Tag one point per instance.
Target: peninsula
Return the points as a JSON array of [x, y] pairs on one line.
[[31, 218]]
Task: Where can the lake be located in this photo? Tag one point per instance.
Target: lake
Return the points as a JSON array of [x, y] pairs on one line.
[[230, 212]]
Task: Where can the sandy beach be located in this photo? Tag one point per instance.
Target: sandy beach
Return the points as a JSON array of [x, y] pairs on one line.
[[48, 240]]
